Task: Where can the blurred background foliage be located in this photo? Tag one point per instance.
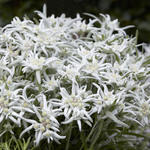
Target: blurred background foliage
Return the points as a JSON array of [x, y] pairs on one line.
[[12, 8], [129, 12]]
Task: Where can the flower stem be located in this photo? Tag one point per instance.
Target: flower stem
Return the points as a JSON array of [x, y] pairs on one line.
[[97, 135], [69, 136]]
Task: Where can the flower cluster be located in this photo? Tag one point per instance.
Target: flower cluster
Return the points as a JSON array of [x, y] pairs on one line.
[[61, 70]]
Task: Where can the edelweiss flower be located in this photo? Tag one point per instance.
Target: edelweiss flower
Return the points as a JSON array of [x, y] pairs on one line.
[[95, 67], [36, 63], [8, 100], [108, 97], [71, 72], [50, 83], [75, 105], [46, 125], [113, 76], [141, 106]]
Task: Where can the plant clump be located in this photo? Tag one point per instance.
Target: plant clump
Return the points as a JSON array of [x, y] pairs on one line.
[[61, 71]]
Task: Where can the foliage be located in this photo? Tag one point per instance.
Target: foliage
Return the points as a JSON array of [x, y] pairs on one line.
[[15, 144], [12, 8]]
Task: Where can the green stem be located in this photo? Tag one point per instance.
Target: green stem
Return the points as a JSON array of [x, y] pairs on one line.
[[69, 136], [91, 132], [82, 137], [97, 135]]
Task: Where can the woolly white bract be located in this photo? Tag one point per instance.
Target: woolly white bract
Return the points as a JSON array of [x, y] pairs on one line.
[[63, 70]]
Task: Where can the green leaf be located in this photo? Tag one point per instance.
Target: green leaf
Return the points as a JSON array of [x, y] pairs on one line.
[[115, 119], [146, 62], [97, 134]]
